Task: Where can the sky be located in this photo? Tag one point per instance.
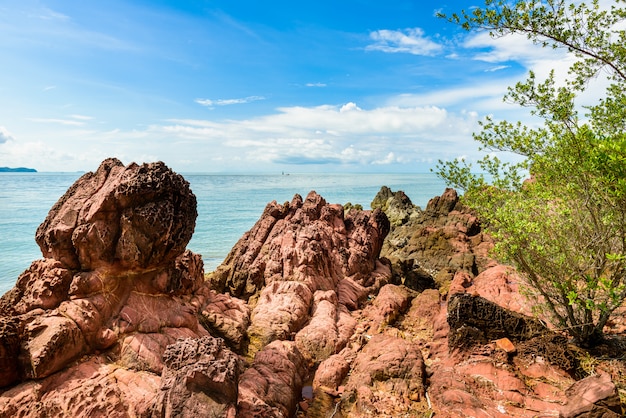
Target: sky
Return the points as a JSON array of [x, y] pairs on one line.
[[222, 86]]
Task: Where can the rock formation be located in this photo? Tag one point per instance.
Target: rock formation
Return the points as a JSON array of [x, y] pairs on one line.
[[87, 326], [317, 311]]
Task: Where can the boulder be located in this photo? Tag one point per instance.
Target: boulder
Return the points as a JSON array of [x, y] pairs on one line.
[[593, 396], [272, 386], [200, 378], [135, 216], [115, 277]]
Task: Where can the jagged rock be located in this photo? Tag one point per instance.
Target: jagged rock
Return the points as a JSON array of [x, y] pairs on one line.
[[475, 320], [272, 386], [396, 205], [296, 250], [116, 277], [200, 378], [443, 239], [593, 397], [387, 378]]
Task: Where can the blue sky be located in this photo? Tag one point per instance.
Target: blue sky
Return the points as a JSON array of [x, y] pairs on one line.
[[250, 86]]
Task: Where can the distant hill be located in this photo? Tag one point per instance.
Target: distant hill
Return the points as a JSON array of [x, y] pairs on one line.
[[17, 170]]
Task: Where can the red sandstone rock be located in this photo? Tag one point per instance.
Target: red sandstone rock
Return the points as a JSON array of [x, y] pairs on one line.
[[272, 386], [292, 252], [90, 389], [116, 278], [594, 396], [331, 373], [200, 378], [300, 284], [136, 216], [329, 329], [387, 378], [227, 317]]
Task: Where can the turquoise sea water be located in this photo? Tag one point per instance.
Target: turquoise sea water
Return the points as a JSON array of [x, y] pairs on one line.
[[228, 206]]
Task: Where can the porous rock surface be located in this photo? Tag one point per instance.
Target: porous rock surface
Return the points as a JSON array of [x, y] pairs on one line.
[[312, 314], [117, 319]]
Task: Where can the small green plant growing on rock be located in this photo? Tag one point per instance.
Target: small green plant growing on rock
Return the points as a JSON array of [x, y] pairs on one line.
[[565, 227]]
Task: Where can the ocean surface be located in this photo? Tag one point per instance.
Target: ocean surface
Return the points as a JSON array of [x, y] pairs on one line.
[[228, 206]]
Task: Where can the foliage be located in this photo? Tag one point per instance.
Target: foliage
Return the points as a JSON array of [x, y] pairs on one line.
[[565, 227]]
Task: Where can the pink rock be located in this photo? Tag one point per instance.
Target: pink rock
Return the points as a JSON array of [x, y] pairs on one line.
[[53, 342], [394, 368], [593, 396], [272, 386], [331, 373], [388, 305], [116, 265], [199, 379], [136, 215], [44, 285], [227, 317], [282, 310], [91, 388], [329, 329]]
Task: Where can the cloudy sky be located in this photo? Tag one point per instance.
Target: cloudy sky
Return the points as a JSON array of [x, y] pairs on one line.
[[250, 86]]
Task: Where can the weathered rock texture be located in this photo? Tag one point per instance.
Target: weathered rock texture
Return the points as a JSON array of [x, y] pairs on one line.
[[303, 318], [396, 205], [115, 279], [118, 320], [306, 258]]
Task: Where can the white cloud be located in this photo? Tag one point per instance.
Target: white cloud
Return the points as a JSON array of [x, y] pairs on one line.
[[409, 41], [315, 84], [227, 102], [345, 134], [517, 48], [67, 122], [81, 117], [497, 68], [5, 136]]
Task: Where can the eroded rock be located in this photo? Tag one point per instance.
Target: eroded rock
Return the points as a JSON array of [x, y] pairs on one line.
[[200, 378]]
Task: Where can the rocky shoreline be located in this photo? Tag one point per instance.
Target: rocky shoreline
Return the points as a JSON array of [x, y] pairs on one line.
[[317, 311]]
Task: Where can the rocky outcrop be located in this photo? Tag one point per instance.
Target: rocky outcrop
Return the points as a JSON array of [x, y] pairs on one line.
[[117, 319], [306, 257], [200, 378], [115, 288], [396, 205], [312, 314]]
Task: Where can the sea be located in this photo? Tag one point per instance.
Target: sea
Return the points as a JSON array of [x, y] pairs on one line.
[[228, 206]]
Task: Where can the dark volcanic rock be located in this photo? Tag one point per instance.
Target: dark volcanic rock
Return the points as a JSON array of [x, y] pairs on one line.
[[432, 247], [475, 320], [396, 205]]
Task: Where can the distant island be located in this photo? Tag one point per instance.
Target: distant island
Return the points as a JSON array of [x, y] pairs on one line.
[[17, 170]]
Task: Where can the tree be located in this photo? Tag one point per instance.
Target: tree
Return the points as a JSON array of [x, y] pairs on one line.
[[564, 227]]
